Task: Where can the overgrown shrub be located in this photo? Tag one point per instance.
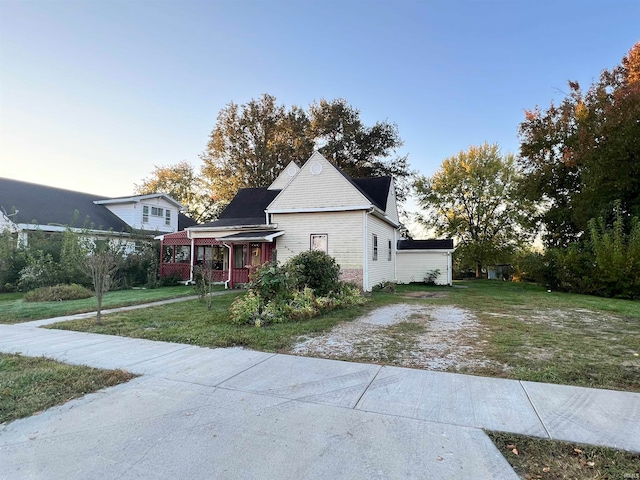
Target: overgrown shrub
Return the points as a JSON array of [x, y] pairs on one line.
[[385, 287], [316, 270], [58, 293], [274, 298]]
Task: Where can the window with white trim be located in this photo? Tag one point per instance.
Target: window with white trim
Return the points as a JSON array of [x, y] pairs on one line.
[[389, 255], [320, 241], [375, 247], [145, 214], [157, 212], [167, 217]]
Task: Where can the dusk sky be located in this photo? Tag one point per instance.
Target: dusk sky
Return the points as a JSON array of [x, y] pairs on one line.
[[94, 93]]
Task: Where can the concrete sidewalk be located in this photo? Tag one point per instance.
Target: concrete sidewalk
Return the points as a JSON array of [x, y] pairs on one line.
[[234, 413]]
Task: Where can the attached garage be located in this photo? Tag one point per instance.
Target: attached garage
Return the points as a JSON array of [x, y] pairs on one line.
[[416, 258]]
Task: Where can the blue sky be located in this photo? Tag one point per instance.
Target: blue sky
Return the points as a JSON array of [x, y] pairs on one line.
[[94, 93]]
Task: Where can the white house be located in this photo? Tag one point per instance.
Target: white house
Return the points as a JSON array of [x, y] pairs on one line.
[[316, 206], [25, 207]]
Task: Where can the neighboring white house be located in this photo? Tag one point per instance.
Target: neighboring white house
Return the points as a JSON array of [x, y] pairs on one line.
[[316, 206], [25, 207]]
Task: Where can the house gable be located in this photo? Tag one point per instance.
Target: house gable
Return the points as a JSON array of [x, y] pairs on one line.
[[319, 186], [286, 175]]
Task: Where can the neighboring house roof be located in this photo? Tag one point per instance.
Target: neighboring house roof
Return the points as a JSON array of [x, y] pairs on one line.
[[262, 236], [445, 244], [55, 206], [246, 208], [138, 199]]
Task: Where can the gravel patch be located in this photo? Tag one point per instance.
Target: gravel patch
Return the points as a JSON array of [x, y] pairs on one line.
[[421, 336]]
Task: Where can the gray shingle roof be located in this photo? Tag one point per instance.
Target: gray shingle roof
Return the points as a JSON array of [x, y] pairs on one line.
[[56, 206]]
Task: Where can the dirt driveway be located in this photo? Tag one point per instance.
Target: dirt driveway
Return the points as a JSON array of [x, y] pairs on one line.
[[433, 337]]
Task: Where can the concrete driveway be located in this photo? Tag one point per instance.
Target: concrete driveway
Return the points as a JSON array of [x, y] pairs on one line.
[[234, 413]]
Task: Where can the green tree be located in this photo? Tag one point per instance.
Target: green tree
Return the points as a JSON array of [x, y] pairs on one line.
[[360, 151], [102, 264], [474, 198], [181, 183], [251, 144], [582, 156]]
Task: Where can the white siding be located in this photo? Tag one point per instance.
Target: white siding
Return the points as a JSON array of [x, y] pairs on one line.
[[344, 233], [285, 176], [326, 189], [412, 266], [392, 205], [382, 269], [131, 213]]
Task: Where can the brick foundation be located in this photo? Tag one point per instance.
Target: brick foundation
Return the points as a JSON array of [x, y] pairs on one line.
[[353, 275]]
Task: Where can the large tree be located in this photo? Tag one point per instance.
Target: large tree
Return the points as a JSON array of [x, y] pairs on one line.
[[360, 151], [181, 183], [251, 144], [473, 197], [582, 157]]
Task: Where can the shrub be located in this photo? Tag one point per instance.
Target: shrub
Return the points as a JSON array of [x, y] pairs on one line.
[[170, 280], [385, 287], [431, 276], [271, 281], [246, 309], [316, 270], [58, 293]]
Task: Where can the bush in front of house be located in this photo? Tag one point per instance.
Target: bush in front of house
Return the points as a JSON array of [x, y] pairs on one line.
[[283, 293], [58, 293], [316, 270]]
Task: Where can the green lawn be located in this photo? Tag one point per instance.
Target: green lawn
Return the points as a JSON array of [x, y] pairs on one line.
[[527, 333], [30, 385], [190, 322], [13, 308]]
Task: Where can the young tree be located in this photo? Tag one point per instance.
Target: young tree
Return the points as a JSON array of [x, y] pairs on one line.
[[181, 183], [101, 265], [473, 198], [582, 156]]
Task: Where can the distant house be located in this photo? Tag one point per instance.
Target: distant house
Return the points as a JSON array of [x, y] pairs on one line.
[[25, 207], [316, 206]]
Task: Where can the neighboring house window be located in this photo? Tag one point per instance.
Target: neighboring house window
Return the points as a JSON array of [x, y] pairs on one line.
[[375, 247], [389, 256], [320, 242], [145, 214], [167, 254], [156, 211], [167, 217]]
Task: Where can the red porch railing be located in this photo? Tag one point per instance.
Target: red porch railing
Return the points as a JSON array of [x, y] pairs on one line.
[[183, 270]]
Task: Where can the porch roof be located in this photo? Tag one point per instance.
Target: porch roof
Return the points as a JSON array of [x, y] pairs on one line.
[[264, 236]]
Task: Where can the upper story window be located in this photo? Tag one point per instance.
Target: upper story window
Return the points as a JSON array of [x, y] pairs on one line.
[[167, 217], [375, 247], [145, 214], [157, 212]]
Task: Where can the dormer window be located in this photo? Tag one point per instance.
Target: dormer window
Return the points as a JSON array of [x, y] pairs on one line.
[[145, 214], [156, 212], [167, 217]]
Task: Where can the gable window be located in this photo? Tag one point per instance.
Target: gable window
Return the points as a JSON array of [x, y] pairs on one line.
[[375, 247], [167, 217], [320, 241], [145, 214], [156, 211]]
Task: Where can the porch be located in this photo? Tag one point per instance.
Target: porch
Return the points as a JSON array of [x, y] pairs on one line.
[[224, 260]]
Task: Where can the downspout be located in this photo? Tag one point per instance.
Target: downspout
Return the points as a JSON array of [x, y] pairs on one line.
[[228, 280], [192, 255], [394, 255]]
